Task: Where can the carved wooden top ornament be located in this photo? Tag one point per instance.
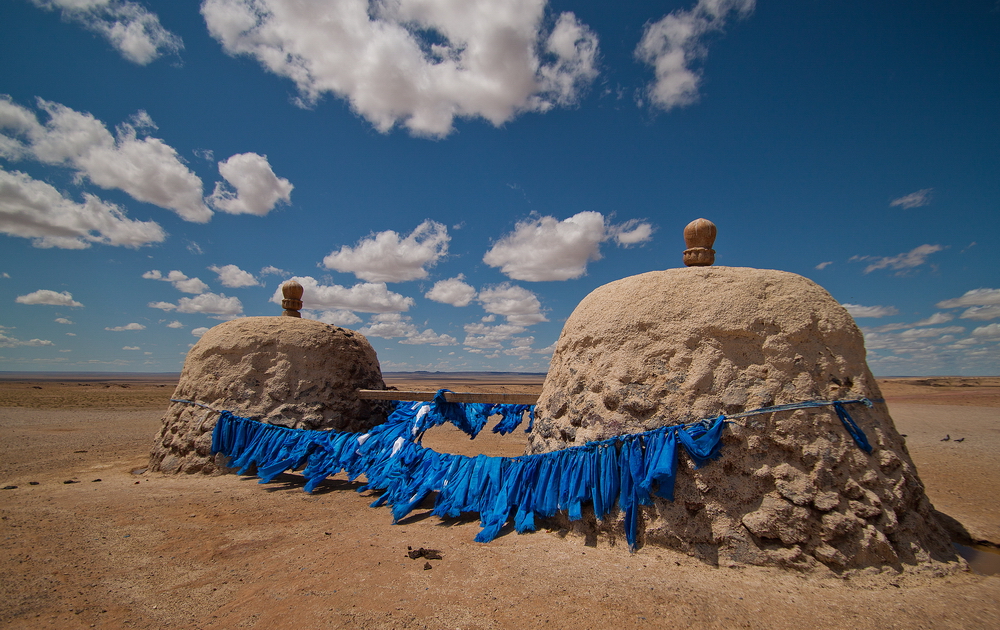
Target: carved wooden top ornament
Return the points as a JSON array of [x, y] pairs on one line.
[[291, 291], [699, 236]]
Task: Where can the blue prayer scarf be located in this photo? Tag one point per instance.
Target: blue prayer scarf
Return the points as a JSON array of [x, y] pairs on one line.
[[625, 470]]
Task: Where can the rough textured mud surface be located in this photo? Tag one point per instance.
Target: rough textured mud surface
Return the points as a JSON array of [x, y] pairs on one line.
[[297, 373], [791, 488]]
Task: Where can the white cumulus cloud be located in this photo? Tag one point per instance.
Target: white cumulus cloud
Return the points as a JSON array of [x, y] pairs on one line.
[[385, 257], [857, 310], [132, 29], [271, 270], [454, 291], [257, 188], [366, 297], [416, 63], [336, 317], [428, 337], [393, 325], [175, 324], [676, 42], [180, 281], [913, 200], [33, 209], [198, 332], [520, 306], [211, 304], [7, 341], [45, 296], [631, 232], [132, 326], [544, 248], [234, 277], [483, 337], [146, 168]]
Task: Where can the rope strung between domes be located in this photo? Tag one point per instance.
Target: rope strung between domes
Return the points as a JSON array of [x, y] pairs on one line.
[[626, 470]]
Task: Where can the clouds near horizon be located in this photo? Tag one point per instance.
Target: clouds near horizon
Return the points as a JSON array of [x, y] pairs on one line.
[[6, 341], [982, 304], [856, 310]]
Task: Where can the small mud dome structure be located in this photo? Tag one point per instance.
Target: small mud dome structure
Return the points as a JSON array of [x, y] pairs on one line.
[[791, 488], [287, 371]]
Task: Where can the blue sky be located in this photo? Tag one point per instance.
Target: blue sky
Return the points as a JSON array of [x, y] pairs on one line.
[[452, 177]]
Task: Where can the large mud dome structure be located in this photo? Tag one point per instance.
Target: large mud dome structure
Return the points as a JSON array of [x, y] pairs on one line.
[[292, 372], [790, 488]]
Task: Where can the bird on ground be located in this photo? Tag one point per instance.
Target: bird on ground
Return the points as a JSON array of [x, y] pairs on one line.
[[960, 440], [946, 438]]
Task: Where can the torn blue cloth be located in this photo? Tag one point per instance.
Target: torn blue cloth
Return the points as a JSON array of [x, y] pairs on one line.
[[856, 433], [624, 471]]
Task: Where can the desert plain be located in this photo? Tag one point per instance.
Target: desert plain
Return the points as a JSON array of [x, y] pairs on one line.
[[90, 539]]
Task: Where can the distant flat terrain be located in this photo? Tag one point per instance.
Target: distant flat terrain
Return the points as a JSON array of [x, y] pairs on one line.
[[981, 391], [55, 390], [498, 382]]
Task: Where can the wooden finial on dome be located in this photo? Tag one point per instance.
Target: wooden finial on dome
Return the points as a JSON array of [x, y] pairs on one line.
[[699, 236], [292, 292]]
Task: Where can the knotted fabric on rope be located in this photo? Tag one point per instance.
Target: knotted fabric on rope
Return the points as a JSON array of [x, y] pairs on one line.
[[624, 471]]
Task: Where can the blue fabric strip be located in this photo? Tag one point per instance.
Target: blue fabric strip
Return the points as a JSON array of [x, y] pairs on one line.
[[859, 436], [625, 470]]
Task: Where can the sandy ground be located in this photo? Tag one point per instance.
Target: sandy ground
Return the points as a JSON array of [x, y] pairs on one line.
[[116, 549]]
